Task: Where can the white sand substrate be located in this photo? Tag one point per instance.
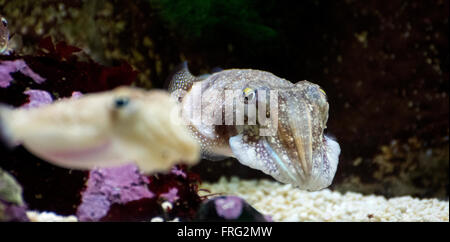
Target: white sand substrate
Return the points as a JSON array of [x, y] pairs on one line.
[[285, 203], [36, 216]]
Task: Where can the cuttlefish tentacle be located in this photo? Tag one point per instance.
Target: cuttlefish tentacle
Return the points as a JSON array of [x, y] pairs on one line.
[[302, 131]]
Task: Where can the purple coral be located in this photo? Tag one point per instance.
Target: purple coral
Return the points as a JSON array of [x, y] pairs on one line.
[[37, 98], [229, 207], [8, 67], [178, 171], [76, 95], [108, 186], [171, 195]]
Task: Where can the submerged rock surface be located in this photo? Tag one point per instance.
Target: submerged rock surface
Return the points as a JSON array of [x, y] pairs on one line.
[[229, 208], [12, 207]]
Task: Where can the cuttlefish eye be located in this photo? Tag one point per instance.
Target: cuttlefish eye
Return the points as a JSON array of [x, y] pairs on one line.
[[124, 108], [121, 102], [249, 94], [4, 22]]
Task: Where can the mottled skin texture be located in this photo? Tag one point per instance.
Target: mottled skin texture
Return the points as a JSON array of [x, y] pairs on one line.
[[297, 152], [4, 35]]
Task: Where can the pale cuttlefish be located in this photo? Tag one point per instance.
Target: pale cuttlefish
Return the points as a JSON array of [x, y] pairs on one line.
[[265, 122], [104, 129]]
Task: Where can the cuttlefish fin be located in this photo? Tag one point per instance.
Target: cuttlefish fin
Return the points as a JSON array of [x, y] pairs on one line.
[[259, 155], [181, 78], [181, 81]]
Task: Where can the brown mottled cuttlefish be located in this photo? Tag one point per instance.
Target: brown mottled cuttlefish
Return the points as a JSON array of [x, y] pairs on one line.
[[264, 121]]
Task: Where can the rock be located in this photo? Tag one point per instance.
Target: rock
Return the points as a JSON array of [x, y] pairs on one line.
[[12, 207], [229, 208], [108, 186]]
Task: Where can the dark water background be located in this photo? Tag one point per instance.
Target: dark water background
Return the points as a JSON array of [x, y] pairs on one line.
[[383, 64]]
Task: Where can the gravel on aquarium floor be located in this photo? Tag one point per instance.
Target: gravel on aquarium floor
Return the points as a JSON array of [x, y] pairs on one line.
[[285, 203], [35, 216]]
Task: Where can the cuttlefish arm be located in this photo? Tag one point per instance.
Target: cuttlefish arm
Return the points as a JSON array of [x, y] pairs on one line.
[[297, 152], [261, 156], [103, 130]]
